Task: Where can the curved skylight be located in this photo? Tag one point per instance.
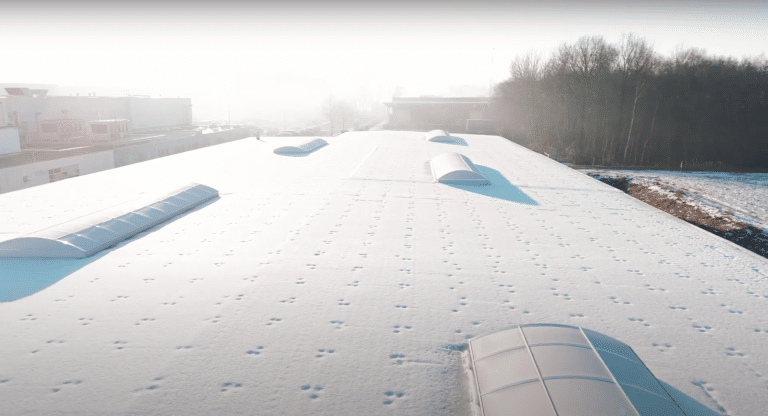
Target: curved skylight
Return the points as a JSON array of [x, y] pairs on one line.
[[559, 370], [88, 235], [300, 147], [457, 169], [442, 136]]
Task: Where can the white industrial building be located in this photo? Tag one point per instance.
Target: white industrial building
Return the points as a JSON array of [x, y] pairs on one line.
[[369, 276], [30, 110]]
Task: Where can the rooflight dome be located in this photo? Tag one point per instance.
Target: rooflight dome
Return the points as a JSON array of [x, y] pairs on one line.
[[457, 169], [87, 236], [548, 369], [300, 147]]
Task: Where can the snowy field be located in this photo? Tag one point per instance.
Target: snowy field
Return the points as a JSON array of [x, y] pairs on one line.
[[744, 196], [347, 282]]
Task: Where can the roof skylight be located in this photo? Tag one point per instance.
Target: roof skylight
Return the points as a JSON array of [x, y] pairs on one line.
[[457, 169], [301, 147], [86, 236], [559, 370]]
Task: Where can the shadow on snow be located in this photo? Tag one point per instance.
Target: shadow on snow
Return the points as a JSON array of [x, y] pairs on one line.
[[499, 188], [24, 276]]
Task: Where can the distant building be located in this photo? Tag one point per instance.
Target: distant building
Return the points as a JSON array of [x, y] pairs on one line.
[[38, 116], [428, 113]]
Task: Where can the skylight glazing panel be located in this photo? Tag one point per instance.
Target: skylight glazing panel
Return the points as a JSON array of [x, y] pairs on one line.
[[100, 235], [604, 343], [563, 360], [165, 207], [135, 219], [118, 226], [504, 369], [496, 342], [550, 334], [632, 373], [580, 397], [527, 399], [153, 214], [80, 242], [649, 404]]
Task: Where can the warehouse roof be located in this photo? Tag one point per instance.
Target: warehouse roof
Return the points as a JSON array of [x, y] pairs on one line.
[[350, 282]]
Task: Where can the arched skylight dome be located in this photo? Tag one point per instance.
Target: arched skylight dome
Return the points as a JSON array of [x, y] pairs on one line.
[[87, 236], [442, 136], [562, 370], [457, 169], [299, 147]]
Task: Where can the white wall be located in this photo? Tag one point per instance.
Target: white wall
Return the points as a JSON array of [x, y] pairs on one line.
[[9, 140], [40, 173], [3, 116]]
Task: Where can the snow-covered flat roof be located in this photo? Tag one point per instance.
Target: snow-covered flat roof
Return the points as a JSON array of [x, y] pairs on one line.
[[349, 282]]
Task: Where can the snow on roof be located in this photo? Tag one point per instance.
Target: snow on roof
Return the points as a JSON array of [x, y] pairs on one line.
[[349, 283]]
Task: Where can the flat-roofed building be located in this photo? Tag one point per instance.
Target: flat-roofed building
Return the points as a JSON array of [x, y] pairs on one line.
[[349, 281], [429, 113]]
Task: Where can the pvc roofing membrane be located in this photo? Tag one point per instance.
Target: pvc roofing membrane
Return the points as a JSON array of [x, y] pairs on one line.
[[559, 370], [300, 147], [457, 169], [88, 235]]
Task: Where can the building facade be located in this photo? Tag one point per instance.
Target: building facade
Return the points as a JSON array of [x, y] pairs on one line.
[[428, 113]]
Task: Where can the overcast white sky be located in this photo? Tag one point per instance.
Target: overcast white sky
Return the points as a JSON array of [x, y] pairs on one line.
[[264, 58]]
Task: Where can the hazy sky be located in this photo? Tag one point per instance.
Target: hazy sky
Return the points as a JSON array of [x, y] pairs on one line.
[[263, 58]]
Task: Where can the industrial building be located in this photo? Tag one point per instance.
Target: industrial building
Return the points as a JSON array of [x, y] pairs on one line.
[[456, 114], [40, 117], [45, 138]]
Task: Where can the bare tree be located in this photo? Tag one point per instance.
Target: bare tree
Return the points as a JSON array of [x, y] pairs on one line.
[[636, 59], [528, 67], [330, 111], [346, 113]]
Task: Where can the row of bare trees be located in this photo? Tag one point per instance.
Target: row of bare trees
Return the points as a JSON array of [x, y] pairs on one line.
[[593, 102], [341, 114]]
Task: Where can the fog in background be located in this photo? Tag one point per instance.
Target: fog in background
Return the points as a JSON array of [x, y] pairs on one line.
[[270, 60]]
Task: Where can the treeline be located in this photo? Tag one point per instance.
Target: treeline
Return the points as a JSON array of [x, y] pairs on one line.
[[593, 102]]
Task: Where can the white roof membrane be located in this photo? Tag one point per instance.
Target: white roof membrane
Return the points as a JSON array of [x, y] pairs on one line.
[[457, 169], [299, 147], [563, 370], [86, 236]]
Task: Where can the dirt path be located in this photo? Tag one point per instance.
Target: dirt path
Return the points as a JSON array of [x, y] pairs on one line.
[[743, 234]]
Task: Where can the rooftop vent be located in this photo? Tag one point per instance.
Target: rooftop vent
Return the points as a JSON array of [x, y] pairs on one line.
[[559, 370], [457, 169], [86, 236], [301, 147]]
